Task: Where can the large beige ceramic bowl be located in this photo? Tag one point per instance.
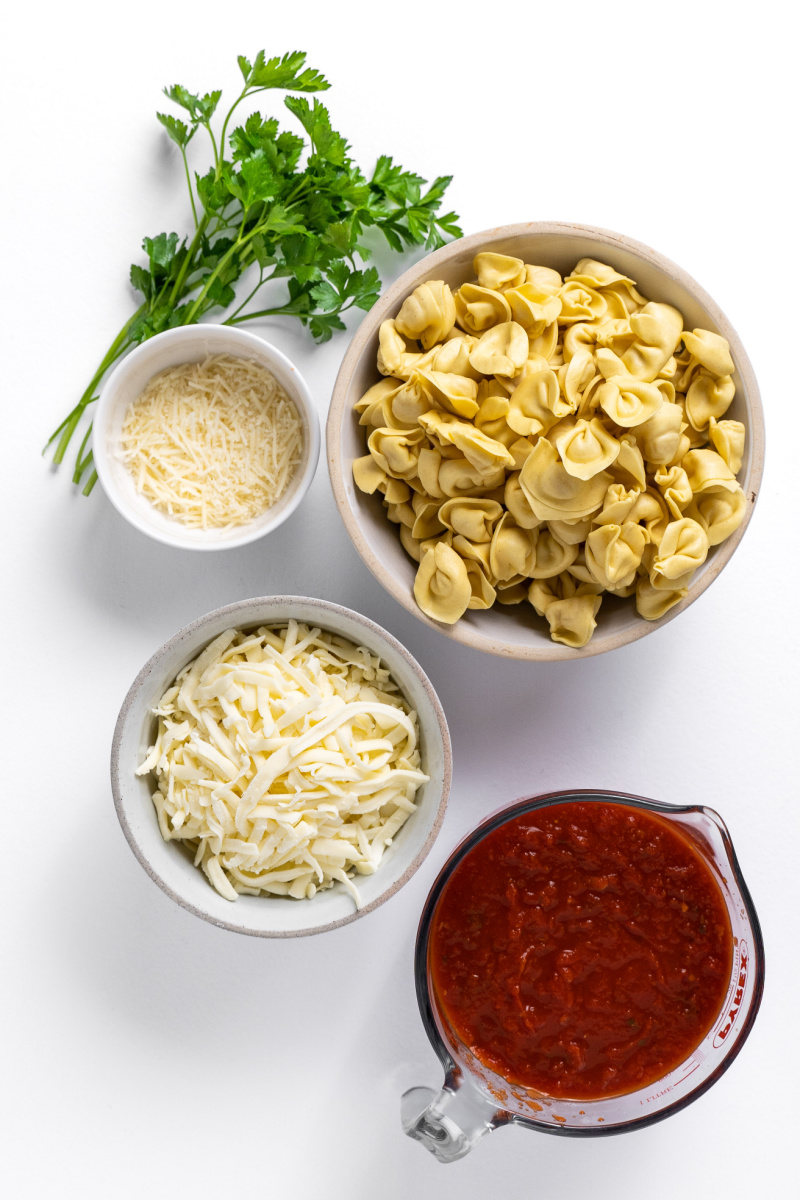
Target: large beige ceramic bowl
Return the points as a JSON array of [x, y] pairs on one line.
[[516, 631]]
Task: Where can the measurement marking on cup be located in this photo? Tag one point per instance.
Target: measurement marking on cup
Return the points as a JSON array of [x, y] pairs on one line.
[[692, 1064]]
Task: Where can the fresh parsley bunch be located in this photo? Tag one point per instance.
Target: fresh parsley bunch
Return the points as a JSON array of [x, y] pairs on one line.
[[259, 210]]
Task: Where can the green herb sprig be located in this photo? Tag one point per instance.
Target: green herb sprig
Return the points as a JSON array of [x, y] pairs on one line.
[[259, 211]]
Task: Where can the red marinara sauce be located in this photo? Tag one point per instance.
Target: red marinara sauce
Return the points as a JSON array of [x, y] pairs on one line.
[[582, 949]]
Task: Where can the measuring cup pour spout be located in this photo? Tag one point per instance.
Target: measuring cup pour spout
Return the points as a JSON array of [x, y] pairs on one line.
[[450, 1123]]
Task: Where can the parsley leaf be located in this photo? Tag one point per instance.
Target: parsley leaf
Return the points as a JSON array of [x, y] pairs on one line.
[[213, 193], [255, 134], [254, 182], [161, 250], [326, 143], [200, 108], [178, 130], [359, 288], [142, 280], [282, 73], [322, 325], [403, 187]]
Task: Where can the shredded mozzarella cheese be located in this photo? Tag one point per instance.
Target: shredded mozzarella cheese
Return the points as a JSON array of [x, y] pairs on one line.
[[287, 758], [213, 444]]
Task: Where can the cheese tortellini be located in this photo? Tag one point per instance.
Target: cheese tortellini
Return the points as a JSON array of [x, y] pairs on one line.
[[550, 439]]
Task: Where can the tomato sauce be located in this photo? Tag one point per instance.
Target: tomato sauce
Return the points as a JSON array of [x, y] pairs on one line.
[[583, 949]]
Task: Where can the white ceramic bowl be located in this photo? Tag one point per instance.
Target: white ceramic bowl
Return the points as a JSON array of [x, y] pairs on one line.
[[170, 865], [516, 631], [193, 343]]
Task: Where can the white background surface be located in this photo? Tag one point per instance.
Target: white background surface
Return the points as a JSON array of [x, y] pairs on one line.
[[146, 1053]]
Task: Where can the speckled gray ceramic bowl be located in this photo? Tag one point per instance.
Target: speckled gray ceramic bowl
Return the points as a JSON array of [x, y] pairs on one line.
[[168, 863]]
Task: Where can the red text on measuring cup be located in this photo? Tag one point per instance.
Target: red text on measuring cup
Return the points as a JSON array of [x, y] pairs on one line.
[[736, 1002]]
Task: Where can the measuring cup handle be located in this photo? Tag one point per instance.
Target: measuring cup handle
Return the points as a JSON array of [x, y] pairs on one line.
[[450, 1123]]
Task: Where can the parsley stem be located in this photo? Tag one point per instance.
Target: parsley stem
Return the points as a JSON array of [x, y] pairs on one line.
[[176, 292], [82, 463], [189, 185], [262, 280], [72, 424], [197, 303], [67, 428], [282, 310], [217, 160], [247, 91], [298, 190], [264, 312], [237, 101]]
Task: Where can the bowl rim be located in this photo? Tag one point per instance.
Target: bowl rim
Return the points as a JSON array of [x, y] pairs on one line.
[[301, 396], [460, 632], [231, 610]]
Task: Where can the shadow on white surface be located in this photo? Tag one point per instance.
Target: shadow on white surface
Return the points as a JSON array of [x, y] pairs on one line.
[[219, 1017]]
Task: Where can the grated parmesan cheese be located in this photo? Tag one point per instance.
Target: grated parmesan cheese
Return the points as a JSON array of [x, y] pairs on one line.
[[287, 758], [213, 444]]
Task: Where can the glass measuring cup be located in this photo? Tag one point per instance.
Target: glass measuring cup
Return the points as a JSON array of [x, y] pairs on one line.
[[474, 1100]]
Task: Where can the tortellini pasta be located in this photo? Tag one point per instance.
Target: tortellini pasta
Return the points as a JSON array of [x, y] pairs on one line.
[[580, 303], [394, 357], [674, 486], [552, 555], [533, 307], [452, 357], [396, 451], [553, 493], [517, 503], [479, 308], [711, 351], [498, 271], [376, 405], [569, 610], [727, 438], [708, 398], [472, 518], [652, 602], [657, 329], [428, 516], [502, 350], [536, 404], [442, 587], [683, 548], [629, 401], [549, 440], [482, 451], [587, 448], [629, 466], [454, 393], [706, 469], [613, 553], [719, 511], [512, 554], [659, 437], [483, 594], [428, 314]]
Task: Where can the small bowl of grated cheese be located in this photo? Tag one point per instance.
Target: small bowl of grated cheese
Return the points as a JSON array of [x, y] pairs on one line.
[[205, 437], [281, 766]]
